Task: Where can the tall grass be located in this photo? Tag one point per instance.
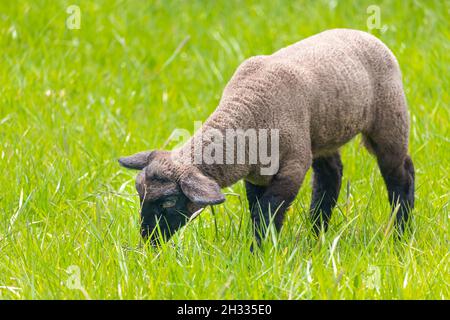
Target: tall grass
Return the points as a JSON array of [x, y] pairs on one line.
[[73, 101]]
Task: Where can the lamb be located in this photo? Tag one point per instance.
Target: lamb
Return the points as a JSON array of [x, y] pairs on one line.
[[318, 94]]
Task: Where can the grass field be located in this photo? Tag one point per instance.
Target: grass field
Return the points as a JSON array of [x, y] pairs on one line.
[[73, 100]]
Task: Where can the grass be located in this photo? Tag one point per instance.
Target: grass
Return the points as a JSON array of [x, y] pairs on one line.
[[73, 101]]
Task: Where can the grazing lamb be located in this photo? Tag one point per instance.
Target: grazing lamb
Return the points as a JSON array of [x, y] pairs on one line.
[[318, 93]]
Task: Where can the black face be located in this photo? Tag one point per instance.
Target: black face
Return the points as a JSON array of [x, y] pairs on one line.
[[163, 217], [170, 192]]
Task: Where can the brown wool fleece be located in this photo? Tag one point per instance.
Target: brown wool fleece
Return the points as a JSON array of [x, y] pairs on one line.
[[319, 93]]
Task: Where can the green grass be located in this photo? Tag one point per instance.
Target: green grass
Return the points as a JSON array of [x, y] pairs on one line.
[[73, 101]]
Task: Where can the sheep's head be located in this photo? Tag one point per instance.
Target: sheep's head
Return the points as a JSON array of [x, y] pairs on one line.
[[169, 192]]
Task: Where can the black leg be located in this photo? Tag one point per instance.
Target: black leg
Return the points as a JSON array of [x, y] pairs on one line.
[[327, 178], [400, 185], [270, 203], [254, 193], [270, 208]]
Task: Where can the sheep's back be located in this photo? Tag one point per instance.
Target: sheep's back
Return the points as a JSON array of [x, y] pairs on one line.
[[323, 86], [343, 71]]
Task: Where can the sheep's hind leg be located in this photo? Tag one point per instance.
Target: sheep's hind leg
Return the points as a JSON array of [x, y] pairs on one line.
[[388, 140], [327, 178], [398, 175]]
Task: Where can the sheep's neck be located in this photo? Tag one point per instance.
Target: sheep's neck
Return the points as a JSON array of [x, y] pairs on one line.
[[203, 149]]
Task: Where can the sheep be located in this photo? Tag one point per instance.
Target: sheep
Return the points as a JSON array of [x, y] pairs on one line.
[[318, 94]]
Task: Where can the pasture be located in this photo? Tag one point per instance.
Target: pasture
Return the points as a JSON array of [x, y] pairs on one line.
[[74, 100]]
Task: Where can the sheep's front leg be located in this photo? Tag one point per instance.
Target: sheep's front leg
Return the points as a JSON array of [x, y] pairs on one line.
[[254, 193], [272, 204]]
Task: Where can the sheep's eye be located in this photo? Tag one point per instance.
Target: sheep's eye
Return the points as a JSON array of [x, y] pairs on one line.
[[169, 203]]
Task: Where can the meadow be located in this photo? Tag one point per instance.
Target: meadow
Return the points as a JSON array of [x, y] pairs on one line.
[[74, 100]]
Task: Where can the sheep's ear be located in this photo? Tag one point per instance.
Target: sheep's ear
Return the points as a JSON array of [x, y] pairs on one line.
[[200, 189], [137, 161]]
